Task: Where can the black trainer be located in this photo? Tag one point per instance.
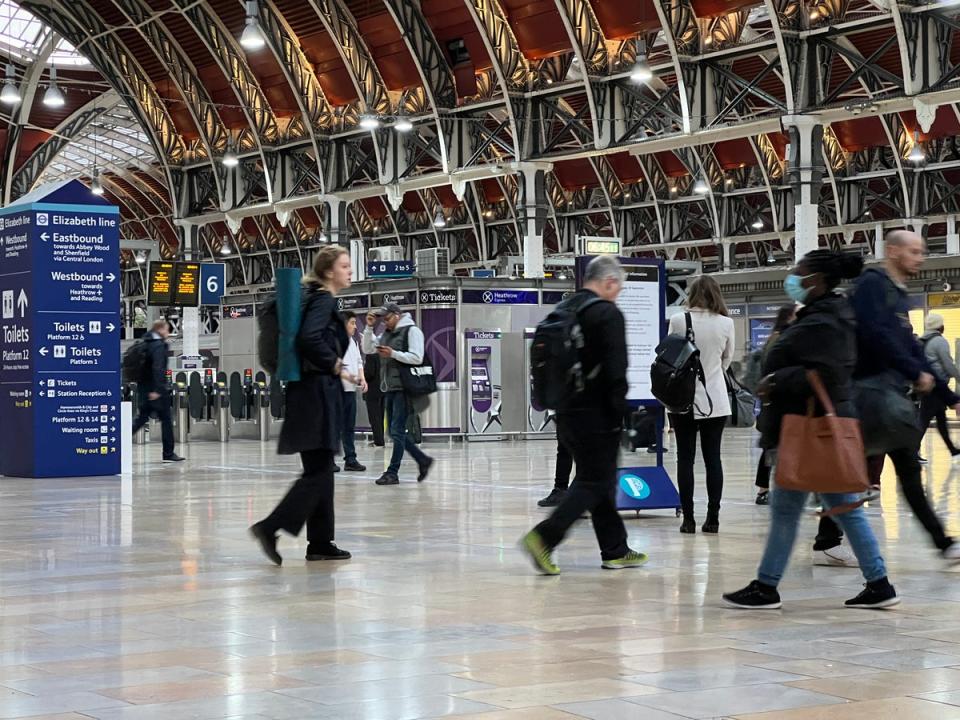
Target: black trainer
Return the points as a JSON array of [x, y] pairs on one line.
[[330, 551], [354, 467], [424, 469], [172, 458], [755, 596], [877, 594], [763, 497], [555, 497], [336, 468], [388, 478], [268, 543]]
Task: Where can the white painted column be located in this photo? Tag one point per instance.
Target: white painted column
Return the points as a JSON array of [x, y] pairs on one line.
[[806, 170], [534, 216], [190, 316], [879, 246], [953, 239], [337, 227]]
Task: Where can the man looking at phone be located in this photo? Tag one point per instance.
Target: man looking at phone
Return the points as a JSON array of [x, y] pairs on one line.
[[401, 343]]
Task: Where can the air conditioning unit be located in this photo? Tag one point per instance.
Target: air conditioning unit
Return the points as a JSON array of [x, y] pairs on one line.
[[433, 262], [391, 253]]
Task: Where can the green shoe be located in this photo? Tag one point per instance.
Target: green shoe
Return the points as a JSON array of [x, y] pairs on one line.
[[533, 545], [631, 560]]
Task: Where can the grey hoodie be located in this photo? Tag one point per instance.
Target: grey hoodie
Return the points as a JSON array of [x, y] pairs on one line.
[[389, 371], [937, 350]]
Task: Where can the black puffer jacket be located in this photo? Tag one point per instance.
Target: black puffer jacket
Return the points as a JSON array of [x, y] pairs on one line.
[[823, 338], [315, 402]]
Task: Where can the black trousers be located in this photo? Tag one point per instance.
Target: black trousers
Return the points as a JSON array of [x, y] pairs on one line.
[[910, 475], [161, 408], [763, 472], [594, 489], [686, 429], [309, 500], [933, 407], [374, 403], [561, 478]]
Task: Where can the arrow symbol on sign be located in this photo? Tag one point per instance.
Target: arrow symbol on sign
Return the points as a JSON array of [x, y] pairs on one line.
[[111, 327], [44, 351], [22, 302], [112, 418], [44, 236], [42, 394], [111, 277]]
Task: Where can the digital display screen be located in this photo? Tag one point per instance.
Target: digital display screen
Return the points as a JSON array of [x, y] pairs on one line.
[[187, 286], [160, 283], [603, 247]]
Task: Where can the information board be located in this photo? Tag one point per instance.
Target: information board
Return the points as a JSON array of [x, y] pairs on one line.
[[60, 368], [186, 286], [160, 277], [641, 302], [390, 269]]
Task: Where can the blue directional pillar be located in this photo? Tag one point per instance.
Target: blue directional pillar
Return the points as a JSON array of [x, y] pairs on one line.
[[60, 344]]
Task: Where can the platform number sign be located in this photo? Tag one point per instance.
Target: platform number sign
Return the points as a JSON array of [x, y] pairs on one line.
[[213, 278]]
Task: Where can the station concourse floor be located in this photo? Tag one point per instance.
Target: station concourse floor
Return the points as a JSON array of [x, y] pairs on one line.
[[149, 601]]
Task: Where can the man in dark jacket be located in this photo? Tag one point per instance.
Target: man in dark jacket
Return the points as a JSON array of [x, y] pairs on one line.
[[373, 397], [154, 399], [886, 346], [590, 428]]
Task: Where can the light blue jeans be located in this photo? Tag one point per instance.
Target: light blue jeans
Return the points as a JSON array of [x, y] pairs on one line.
[[786, 506]]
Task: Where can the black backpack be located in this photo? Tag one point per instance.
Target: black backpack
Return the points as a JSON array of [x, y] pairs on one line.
[[135, 361], [676, 370], [555, 366]]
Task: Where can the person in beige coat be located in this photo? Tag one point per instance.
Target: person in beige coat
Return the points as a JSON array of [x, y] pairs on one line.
[[714, 337]]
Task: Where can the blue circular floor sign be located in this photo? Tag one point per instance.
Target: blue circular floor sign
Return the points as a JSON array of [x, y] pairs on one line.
[[634, 487]]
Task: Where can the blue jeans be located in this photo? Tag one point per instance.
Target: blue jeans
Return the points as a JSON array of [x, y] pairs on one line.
[[786, 506], [349, 424], [397, 409]]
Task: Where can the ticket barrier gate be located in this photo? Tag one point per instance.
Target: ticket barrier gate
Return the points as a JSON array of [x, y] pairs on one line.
[[250, 406], [181, 409], [209, 407]]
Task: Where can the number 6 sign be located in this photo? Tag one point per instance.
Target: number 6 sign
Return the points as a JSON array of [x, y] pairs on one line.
[[213, 279]]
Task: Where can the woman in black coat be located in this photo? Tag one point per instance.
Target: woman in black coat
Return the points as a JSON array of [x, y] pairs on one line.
[[313, 417]]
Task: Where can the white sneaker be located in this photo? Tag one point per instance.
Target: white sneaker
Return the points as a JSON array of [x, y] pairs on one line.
[[839, 556], [952, 553]]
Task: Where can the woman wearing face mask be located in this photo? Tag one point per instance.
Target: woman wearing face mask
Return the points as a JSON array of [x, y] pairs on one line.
[[823, 338]]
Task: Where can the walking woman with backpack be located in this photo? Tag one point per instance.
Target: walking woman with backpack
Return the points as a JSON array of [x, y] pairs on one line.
[[822, 340], [313, 422], [713, 335]]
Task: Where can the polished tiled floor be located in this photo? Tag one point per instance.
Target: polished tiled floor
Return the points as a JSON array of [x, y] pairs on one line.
[[146, 600]]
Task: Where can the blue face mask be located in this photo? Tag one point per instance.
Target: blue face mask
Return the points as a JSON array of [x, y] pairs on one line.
[[793, 285]]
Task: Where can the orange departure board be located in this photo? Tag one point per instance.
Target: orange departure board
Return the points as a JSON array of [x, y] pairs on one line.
[[160, 279], [186, 291]]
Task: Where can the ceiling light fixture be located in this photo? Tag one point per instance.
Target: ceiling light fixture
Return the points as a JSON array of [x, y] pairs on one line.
[[252, 37], [917, 154], [96, 187], [641, 72], [439, 220], [225, 246], [141, 257], [10, 95], [757, 224], [403, 124], [230, 157], [53, 97], [700, 187], [728, 182], [322, 238], [369, 122], [488, 213]]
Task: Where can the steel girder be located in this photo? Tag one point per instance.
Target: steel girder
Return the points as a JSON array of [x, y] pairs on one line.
[[83, 28]]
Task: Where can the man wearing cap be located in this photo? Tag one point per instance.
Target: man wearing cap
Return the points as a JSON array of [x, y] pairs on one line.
[[401, 343], [937, 351]]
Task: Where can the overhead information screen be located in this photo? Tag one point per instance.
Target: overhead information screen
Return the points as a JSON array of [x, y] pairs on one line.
[[186, 291], [160, 284]]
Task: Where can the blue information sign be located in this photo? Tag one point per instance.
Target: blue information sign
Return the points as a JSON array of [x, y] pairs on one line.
[[60, 368], [213, 278], [390, 269], [501, 297]]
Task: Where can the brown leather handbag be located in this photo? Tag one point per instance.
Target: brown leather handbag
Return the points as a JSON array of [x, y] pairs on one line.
[[821, 454]]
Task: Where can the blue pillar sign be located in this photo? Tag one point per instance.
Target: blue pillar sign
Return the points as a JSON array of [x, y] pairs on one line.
[[60, 368]]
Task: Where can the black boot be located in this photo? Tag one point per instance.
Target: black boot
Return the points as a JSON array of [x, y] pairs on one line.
[[689, 525], [712, 523]]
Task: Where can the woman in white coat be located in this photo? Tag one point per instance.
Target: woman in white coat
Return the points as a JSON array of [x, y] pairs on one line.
[[714, 337]]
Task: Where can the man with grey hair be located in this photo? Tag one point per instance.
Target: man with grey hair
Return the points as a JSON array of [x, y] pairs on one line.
[[154, 399], [590, 424]]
